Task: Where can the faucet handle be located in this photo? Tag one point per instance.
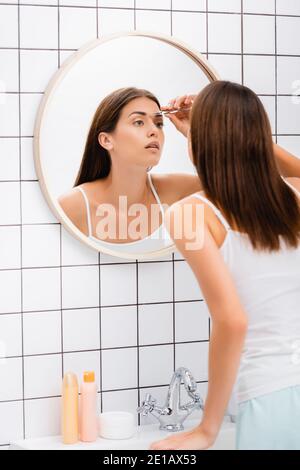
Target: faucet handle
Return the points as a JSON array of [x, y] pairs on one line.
[[147, 405]]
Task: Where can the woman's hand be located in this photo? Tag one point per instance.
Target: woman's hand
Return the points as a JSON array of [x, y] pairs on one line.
[[195, 439], [180, 119]]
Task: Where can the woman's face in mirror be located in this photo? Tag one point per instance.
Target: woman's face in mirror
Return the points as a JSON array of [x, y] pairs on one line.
[[140, 124]]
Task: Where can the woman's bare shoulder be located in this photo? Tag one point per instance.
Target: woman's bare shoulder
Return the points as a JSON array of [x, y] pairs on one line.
[[179, 185], [73, 205]]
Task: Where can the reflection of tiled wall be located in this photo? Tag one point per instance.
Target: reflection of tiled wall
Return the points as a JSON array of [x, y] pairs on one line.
[[63, 306]]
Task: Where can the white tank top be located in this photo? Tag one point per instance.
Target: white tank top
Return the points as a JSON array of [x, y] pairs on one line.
[[157, 240], [269, 288]]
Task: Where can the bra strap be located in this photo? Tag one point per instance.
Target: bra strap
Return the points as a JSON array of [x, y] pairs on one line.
[[292, 187], [87, 210], [156, 195], [215, 209]]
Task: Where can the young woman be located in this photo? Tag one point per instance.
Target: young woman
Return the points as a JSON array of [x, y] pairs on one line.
[[248, 268], [125, 140]]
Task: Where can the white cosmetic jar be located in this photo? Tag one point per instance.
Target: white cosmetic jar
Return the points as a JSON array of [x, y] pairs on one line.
[[117, 425]]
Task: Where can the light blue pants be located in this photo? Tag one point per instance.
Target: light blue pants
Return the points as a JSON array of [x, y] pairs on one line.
[[270, 422]]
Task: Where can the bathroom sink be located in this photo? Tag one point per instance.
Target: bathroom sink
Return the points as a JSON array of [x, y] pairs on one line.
[[144, 436]]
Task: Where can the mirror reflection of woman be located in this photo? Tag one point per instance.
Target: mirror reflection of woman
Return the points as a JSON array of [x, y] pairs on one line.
[[125, 141], [248, 269]]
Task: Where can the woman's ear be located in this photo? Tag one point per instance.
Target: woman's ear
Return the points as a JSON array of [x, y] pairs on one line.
[[105, 141]]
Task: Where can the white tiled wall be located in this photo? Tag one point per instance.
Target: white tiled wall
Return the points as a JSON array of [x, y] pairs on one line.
[[66, 307]]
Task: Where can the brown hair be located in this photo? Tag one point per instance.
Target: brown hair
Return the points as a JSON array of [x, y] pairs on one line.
[[232, 147], [96, 161]]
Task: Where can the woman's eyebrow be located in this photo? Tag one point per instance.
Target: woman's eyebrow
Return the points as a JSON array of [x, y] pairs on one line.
[[142, 113]]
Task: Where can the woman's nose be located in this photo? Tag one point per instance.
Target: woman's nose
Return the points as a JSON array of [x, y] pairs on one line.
[[153, 130]]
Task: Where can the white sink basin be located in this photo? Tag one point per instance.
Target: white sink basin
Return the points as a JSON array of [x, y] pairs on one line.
[[145, 435]]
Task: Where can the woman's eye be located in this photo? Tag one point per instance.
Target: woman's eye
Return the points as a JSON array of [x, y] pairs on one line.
[[160, 124], [135, 122]]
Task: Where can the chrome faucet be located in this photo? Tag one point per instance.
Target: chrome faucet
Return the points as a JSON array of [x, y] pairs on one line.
[[172, 414]]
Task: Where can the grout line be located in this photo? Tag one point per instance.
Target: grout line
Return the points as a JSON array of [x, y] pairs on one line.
[[103, 306], [112, 348], [242, 42], [100, 336], [276, 75], [138, 339], [21, 231]]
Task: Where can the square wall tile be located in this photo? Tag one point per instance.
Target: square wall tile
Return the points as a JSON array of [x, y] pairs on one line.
[[230, 6], [42, 376], [148, 291], [115, 20], [288, 115], [11, 376], [10, 335], [81, 3], [27, 160], [116, 3], [151, 315], [35, 209], [292, 7], [154, 21], [118, 284], [9, 210], [79, 362], [11, 423], [37, 67], [194, 356], [119, 368], [154, 4], [42, 332], [80, 286], [290, 143], [10, 253], [9, 69], [8, 26], [190, 5], [123, 400], [288, 75], [41, 289], [269, 103], [224, 33], [40, 2], [259, 6], [50, 410], [118, 327], [186, 285], [40, 245], [77, 27], [259, 34], [30, 103], [229, 67], [10, 282], [190, 28], [264, 81], [44, 34], [288, 35], [156, 365], [76, 252], [81, 330], [9, 159], [191, 321], [9, 116]]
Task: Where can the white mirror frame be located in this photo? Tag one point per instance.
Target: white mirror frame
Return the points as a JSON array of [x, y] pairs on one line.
[[55, 207]]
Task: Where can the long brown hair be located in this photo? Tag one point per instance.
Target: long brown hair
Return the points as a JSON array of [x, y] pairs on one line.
[[96, 161], [232, 147]]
